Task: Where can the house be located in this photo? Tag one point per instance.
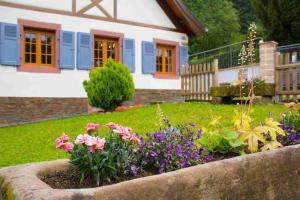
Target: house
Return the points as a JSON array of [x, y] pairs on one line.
[[48, 47]]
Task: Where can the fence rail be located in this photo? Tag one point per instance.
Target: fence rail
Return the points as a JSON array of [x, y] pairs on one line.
[[196, 80], [228, 55], [287, 73]]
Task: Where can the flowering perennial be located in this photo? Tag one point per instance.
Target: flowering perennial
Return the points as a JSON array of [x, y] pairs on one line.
[[124, 132]]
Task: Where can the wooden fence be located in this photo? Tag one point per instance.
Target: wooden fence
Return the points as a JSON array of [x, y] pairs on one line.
[[287, 77], [196, 80]]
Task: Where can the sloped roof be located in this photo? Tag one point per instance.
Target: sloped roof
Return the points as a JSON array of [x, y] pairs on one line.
[[182, 18]]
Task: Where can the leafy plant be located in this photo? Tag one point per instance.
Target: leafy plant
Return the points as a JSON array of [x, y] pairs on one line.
[[170, 148], [217, 139], [109, 85], [291, 124], [225, 143], [100, 158], [265, 133]]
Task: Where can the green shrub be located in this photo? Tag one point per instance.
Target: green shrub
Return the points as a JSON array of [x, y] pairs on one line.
[[109, 85]]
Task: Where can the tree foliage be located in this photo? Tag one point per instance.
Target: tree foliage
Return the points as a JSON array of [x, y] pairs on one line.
[[247, 13], [281, 19], [221, 21]]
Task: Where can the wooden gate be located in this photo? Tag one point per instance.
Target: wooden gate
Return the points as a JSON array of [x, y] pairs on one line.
[[288, 76], [196, 80]]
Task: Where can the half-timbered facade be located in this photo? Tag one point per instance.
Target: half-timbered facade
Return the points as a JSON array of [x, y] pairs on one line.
[[48, 47]]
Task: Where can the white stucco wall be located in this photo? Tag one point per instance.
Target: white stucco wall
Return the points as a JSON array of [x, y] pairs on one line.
[[69, 82], [232, 74]]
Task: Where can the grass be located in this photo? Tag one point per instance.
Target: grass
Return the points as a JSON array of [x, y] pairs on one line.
[[35, 142]]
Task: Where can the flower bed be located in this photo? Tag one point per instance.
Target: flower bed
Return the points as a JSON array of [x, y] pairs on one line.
[[124, 155]]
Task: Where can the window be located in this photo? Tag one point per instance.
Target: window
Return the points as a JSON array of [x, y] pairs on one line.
[[165, 60], [103, 49], [38, 48]]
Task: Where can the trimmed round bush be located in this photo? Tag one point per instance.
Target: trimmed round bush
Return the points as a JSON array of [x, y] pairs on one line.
[[109, 86]]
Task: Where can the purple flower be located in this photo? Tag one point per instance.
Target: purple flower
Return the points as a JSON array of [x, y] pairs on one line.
[[191, 134], [179, 150], [188, 143], [188, 154], [297, 138], [161, 170], [269, 138], [134, 170], [195, 157], [183, 163], [161, 138], [279, 137], [199, 133], [294, 137], [209, 158], [201, 150], [155, 135], [153, 154], [193, 124], [142, 152], [170, 147]]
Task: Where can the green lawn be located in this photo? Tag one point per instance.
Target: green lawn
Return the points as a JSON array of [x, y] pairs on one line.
[[35, 142]]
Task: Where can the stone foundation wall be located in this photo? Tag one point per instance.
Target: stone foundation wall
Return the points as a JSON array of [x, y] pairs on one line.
[[143, 96], [268, 175], [18, 110]]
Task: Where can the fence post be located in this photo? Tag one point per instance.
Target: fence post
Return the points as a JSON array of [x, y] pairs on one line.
[[215, 69], [268, 60]]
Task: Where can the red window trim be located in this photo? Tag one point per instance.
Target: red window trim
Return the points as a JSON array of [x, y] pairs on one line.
[[23, 23], [108, 34], [176, 52]]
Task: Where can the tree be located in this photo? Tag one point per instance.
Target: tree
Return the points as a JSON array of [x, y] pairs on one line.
[[281, 19], [247, 13], [221, 21]]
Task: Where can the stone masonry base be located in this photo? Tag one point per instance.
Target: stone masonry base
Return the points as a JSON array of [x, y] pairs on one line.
[[18, 110], [268, 175]]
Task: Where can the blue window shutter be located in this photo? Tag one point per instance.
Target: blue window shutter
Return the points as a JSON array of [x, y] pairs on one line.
[[84, 51], [129, 53], [10, 44], [183, 55], [148, 58], [67, 50]]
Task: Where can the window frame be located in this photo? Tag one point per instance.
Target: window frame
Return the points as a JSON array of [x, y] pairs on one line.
[[38, 47], [105, 42], [175, 46], [164, 49], [39, 27], [108, 35]]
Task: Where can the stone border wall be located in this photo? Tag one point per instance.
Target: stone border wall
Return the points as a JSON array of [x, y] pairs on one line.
[[267, 175], [19, 110]]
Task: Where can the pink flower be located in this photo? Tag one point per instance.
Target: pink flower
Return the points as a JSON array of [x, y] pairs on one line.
[[91, 127], [59, 143], [112, 125], [99, 143], [90, 141], [91, 149], [126, 135], [64, 137], [67, 147], [134, 139], [81, 139], [61, 140]]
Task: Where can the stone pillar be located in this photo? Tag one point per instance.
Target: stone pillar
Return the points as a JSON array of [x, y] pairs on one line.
[[268, 60]]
